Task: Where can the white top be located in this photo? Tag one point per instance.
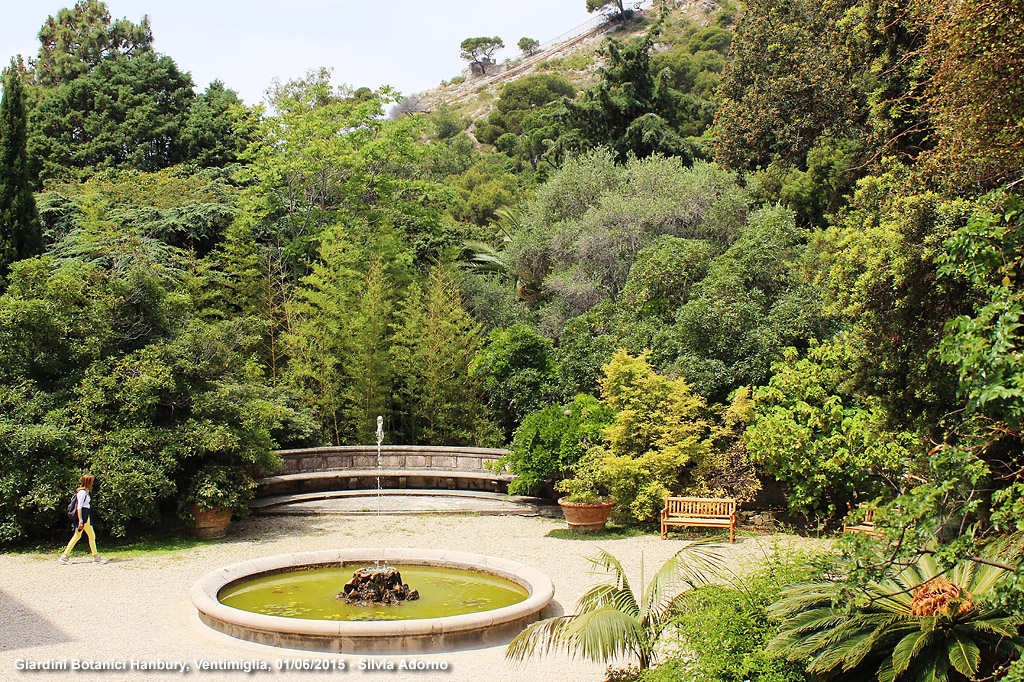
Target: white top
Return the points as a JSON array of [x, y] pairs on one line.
[[83, 498]]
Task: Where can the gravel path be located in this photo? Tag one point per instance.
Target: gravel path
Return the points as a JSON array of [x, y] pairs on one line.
[[138, 607]]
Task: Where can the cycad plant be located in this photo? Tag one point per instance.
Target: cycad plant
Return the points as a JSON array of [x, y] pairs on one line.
[[611, 621], [926, 623]]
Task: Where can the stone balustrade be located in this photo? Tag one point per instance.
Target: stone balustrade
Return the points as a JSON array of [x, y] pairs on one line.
[[352, 467]]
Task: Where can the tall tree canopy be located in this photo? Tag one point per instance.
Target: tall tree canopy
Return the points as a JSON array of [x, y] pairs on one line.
[[76, 40], [633, 110], [126, 112], [20, 229]]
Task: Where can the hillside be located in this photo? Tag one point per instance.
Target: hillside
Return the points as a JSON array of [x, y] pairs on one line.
[[572, 55]]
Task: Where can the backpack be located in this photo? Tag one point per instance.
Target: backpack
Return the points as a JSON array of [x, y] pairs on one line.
[[73, 507]]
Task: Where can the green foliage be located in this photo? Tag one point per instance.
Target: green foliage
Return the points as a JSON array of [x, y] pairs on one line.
[[635, 111], [925, 622], [328, 158], [518, 372], [320, 335], [724, 629], [528, 46], [483, 189], [212, 134], [659, 429], [985, 346], [978, 62], [877, 266], [583, 349], [586, 226], [368, 363], [552, 440], [825, 439], [218, 487], [20, 229], [480, 50], [803, 69], [739, 316], [108, 369], [524, 125], [594, 5], [976, 478], [439, 401], [125, 112], [612, 620], [76, 40], [697, 59], [182, 206]]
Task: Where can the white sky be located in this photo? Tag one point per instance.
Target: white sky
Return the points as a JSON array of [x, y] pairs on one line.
[[409, 45]]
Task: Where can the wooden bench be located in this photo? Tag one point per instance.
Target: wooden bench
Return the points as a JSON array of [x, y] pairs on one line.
[[699, 511], [865, 526]]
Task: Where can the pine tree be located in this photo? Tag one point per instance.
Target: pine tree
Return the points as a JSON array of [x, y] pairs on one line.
[[20, 229]]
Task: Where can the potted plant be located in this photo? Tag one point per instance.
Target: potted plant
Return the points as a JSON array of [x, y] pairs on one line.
[[214, 495], [586, 511]]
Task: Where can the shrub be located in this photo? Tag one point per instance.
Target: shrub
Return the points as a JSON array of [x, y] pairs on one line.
[[518, 372], [552, 440], [722, 631]]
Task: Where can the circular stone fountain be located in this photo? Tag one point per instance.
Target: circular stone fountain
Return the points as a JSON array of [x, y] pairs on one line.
[[419, 635]]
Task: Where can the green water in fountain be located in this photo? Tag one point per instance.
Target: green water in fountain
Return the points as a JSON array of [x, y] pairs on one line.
[[310, 593]]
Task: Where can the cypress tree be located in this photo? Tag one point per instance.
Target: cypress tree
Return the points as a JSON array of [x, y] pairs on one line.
[[20, 229]]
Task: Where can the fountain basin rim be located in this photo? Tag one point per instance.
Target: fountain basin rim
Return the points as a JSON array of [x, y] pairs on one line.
[[205, 590]]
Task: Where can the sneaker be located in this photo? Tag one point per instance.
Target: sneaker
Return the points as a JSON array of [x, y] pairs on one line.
[[99, 560], [63, 560]]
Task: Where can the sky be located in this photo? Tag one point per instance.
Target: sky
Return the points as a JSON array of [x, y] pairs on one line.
[[411, 46]]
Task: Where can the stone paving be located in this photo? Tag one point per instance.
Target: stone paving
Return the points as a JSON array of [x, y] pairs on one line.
[[134, 614]]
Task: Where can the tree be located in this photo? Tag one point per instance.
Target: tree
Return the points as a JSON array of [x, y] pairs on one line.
[[594, 5], [518, 372], [802, 69], [320, 334], [20, 228], [368, 363], [528, 46], [659, 431], [76, 40], [611, 619], [978, 60], [634, 110], [326, 158], [524, 125], [441, 402], [479, 51], [211, 132], [827, 441], [127, 111]]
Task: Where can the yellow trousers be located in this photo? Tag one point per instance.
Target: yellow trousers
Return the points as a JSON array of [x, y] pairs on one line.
[[89, 533]]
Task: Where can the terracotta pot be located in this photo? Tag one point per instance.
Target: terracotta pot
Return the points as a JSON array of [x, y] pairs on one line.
[[586, 518], [210, 523]]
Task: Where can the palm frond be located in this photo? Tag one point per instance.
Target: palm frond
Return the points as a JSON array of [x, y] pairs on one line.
[[543, 637], [964, 656], [934, 670], [598, 635], [909, 647], [609, 564], [695, 564]]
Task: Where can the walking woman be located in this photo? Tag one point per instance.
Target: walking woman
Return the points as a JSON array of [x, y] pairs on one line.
[[84, 523]]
